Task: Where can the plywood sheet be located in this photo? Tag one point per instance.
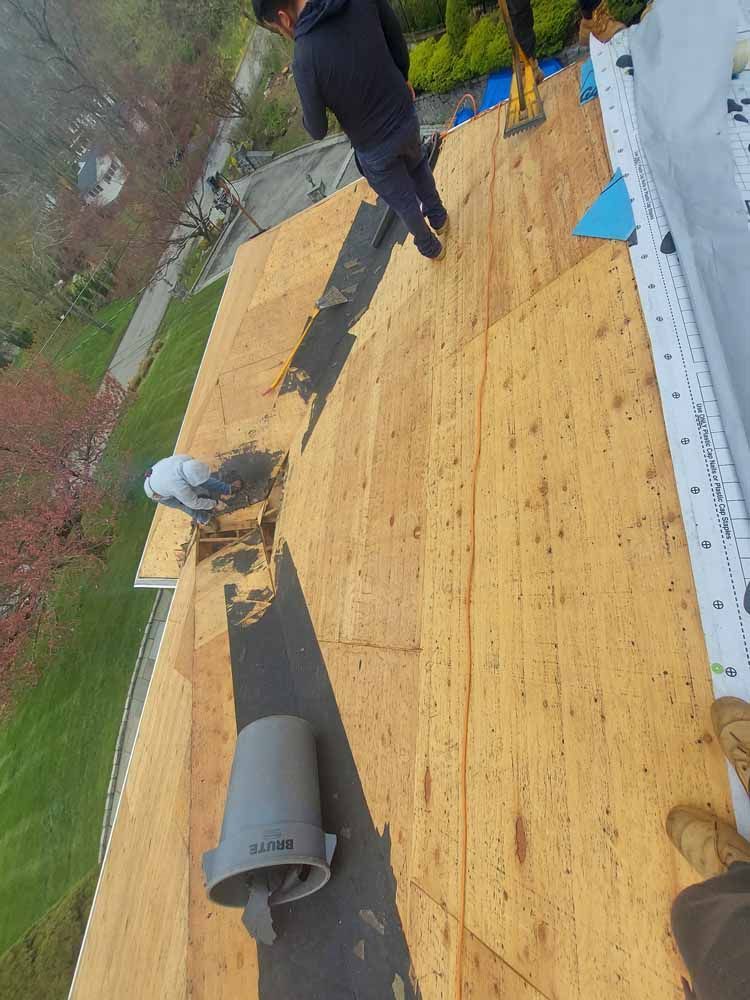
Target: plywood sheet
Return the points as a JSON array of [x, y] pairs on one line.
[[247, 270], [271, 290], [432, 939], [222, 960], [590, 687], [364, 581], [590, 690], [136, 941], [382, 740]]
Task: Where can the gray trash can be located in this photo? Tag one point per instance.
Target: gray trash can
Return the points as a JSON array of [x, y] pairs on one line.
[[272, 842]]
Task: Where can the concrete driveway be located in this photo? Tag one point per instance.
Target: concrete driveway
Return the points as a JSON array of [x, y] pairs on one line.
[[279, 190]]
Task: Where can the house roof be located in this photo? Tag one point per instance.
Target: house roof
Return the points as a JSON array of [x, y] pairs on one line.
[[87, 173], [385, 495]]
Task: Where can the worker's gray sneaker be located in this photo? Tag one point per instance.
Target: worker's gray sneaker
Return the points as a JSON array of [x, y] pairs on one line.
[[441, 255]]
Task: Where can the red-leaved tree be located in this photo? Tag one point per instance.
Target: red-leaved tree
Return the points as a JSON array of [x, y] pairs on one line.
[[56, 509]]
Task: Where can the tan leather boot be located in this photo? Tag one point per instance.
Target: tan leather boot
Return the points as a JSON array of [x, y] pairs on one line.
[[601, 25], [708, 843], [538, 71], [731, 721]]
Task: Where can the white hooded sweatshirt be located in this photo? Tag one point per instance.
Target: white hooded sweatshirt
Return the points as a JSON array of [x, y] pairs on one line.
[[176, 478]]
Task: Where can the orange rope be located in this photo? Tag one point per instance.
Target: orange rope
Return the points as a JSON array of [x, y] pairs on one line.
[[458, 991], [449, 123]]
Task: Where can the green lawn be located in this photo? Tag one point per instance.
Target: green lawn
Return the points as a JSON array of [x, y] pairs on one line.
[[56, 748], [234, 40], [86, 348], [40, 965], [195, 258]]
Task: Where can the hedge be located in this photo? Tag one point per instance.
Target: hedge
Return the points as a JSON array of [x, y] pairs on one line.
[[457, 23], [436, 67], [626, 10]]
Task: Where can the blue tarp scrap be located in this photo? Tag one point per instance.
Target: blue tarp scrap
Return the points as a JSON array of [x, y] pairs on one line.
[[497, 89], [464, 113], [588, 83], [611, 215]]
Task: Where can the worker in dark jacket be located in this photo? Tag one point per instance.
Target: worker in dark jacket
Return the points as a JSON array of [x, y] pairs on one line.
[[350, 57]]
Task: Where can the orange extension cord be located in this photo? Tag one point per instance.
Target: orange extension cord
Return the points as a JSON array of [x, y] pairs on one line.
[[449, 123], [458, 991]]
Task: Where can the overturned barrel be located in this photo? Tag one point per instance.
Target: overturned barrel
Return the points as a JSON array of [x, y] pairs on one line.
[[272, 848]]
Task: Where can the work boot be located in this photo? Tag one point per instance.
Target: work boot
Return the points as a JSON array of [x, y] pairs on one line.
[[708, 843], [538, 71], [440, 255], [445, 228], [601, 25], [533, 62], [731, 722]]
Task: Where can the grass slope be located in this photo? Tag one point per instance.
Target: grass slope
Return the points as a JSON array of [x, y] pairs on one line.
[[87, 349], [235, 39], [56, 748], [40, 966]]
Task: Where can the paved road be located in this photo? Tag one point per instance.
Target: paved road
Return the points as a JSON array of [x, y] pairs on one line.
[[154, 301]]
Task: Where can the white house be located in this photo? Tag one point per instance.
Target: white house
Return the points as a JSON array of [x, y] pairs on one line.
[[101, 177]]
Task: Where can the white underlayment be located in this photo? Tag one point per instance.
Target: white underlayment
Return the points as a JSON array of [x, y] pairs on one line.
[[717, 521]]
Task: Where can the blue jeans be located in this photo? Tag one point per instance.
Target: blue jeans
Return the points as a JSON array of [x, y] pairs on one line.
[[212, 485], [398, 170]]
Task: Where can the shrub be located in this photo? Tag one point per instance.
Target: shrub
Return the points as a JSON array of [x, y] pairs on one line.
[[457, 23], [487, 47], [419, 63], [21, 337], [446, 70], [274, 119], [419, 15], [553, 22], [626, 10], [436, 67]]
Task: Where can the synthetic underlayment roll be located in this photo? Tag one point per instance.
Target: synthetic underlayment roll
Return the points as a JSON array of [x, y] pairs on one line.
[[682, 60]]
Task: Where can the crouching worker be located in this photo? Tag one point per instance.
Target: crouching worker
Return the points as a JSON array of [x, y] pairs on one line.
[[186, 484], [350, 57]]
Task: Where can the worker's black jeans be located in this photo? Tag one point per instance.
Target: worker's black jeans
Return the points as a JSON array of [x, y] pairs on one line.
[[711, 925], [522, 19], [399, 171]]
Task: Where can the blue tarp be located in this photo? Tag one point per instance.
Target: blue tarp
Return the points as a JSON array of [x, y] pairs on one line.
[[611, 215], [588, 83], [498, 89]]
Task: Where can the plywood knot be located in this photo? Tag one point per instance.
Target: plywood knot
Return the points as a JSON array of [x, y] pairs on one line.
[[521, 845]]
